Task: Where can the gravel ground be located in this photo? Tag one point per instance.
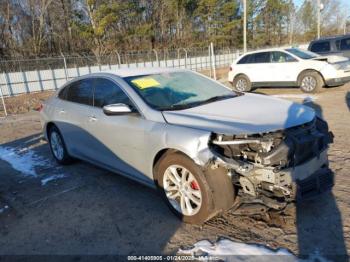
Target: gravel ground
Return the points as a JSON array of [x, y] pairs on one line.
[[81, 209]]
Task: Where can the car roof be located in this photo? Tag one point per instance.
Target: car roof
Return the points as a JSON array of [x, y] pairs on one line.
[[137, 71], [267, 50], [328, 38]]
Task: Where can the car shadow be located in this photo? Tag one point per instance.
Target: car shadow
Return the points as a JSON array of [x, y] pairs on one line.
[[90, 211], [318, 220], [347, 99]]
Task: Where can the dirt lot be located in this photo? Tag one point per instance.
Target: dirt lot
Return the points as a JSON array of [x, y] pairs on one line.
[[86, 210]]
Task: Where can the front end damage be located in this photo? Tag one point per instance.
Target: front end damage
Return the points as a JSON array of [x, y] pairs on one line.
[[282, 166]]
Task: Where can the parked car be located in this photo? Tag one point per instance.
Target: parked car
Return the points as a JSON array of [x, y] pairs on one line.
[[288, 67], [334, 45], [193, 138]]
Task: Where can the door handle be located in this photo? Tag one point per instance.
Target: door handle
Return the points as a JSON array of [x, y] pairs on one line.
[[92, 119], [62, 111]]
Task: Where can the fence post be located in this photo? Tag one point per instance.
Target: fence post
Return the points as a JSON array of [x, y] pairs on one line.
[[213, 59], [65, 66], [8, 84], [3, 101], [206, 60], [165, 56], [53, 75], [40, 80], [24, 76], [144, 60], [118, 55], [185, 57], [155, 52]]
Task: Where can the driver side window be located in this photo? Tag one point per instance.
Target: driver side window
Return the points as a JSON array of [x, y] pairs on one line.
[[107, 92]]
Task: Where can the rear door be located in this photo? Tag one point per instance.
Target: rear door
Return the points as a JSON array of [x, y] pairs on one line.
[[256, 67], [73, 111]]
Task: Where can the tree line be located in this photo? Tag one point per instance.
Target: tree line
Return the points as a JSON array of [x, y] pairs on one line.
[[41, 28]]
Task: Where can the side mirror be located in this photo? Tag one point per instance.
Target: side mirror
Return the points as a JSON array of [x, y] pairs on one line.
[[116, 109]]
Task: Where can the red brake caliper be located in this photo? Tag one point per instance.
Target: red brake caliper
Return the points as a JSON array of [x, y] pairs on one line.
[[194, 185]]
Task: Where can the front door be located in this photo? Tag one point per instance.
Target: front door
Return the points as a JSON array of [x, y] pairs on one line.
[[284, 68], [119, 139]]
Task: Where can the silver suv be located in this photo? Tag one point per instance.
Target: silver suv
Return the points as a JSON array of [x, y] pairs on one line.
[[334, 45]]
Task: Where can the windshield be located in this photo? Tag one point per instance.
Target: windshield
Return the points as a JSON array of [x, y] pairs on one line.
[[178, 90], [303, 54]]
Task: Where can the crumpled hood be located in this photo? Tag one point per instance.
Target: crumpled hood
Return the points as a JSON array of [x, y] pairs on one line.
[[332, 59], [246, 114]]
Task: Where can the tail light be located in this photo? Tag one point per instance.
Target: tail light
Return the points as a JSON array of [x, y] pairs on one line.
[[231, 69]]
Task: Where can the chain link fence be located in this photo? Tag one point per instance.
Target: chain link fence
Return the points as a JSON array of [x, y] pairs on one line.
[[35, 75]]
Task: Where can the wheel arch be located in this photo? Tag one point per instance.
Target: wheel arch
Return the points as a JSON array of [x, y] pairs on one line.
[[48, 126], [220, 184], [162, 153], [241, 74], [306, 70]]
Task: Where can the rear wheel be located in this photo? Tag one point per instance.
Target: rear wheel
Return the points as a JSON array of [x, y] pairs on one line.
[[242, 83], [186, 189], [310, 82], [57, 146]]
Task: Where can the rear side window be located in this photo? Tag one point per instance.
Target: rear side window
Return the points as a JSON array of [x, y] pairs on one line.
[[263, 57], [63, 93], [345, 44], [320, 47], [245, 59], [107, 92], [80, 92]]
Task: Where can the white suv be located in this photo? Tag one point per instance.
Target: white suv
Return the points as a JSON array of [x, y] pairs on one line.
[[288, 67]]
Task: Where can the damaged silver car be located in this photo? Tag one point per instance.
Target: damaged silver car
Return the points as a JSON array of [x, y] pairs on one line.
[[198, 142]]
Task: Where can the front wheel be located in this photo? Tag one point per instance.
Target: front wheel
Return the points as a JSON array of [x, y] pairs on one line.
[[310, 82], [186, 189], [242, 83]]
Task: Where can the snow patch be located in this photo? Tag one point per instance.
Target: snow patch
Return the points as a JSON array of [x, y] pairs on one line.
[[23, 160], [51, 178], [226, 247], [306, 98], [227, 250]]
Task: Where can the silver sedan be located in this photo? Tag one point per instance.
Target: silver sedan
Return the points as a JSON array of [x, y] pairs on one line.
[[191, 137]]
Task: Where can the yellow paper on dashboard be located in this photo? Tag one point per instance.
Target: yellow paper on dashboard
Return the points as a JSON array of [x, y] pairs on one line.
[[145, 82]]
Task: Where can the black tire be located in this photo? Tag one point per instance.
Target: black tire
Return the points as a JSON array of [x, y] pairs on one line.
[[310, 82], [65, 159], [241, 83], [217, 193]]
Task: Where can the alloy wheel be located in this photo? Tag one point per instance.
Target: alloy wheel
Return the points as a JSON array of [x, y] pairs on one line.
[[182, 190], [57, 145], [241, 85], [308, 83]]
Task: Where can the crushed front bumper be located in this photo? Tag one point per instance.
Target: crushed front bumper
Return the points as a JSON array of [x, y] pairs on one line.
[[318, 182], [337, 81], [296, 183], [294, 169]]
